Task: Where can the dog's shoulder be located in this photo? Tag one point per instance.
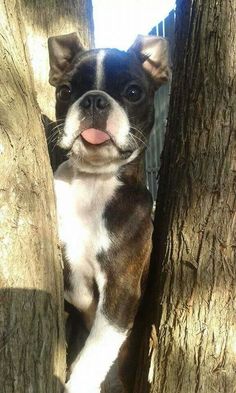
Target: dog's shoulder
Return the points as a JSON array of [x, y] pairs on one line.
[[130, 207]]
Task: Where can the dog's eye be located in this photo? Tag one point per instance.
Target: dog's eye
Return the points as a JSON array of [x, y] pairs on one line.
[[64, 93], [133, 93]]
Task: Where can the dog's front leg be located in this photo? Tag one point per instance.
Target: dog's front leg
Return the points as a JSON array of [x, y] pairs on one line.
[[100, 351], [120, 291]]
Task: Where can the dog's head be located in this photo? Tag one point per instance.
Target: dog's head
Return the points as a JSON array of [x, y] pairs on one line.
[[104, 97]]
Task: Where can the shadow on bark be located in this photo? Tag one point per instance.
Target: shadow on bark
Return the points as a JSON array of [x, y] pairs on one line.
[[29, 341]]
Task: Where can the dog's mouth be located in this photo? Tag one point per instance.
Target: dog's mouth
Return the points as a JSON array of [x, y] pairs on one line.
[[95, 137], [97, 142]]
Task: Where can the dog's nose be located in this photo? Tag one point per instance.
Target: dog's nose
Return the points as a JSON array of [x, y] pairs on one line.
[[96, 102]]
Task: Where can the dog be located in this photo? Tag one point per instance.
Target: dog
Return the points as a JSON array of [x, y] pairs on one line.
[[104, 105]]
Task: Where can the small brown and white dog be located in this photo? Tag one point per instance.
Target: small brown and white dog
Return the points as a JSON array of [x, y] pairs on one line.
[[104, 99]]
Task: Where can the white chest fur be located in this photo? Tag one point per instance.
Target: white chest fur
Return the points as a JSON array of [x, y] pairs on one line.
[[81, 200]]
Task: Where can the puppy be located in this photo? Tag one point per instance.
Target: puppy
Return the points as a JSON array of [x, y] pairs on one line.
[[104, 103]]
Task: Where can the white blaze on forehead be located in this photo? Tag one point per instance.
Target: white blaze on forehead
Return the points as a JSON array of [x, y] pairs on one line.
[[100, 69]]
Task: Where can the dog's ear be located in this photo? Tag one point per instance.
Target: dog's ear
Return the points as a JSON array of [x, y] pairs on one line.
[[62, 50], [154, 54]]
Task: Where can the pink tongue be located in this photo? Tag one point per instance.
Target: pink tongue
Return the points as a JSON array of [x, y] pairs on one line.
[[94, 136]]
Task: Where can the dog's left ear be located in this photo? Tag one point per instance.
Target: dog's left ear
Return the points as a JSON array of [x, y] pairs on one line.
[[154, 54], [62, 51]]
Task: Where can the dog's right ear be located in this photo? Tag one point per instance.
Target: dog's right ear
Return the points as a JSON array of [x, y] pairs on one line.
[[62, 51], [154, 54]]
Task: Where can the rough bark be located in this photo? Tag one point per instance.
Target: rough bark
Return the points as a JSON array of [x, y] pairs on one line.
[[32, 349], [190, 335]]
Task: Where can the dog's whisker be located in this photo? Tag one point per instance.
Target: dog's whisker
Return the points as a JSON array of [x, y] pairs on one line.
[[135, 142], [54, 140], [58, 126], [54, 121], [55, 132], [52, 135], [54, 146], [139, 131], [144, 142]]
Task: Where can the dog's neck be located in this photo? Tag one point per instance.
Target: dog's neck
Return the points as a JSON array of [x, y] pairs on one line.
[[113, 167], [130, 173]]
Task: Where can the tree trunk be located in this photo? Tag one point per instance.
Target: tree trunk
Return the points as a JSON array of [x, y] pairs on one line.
[[188, 342], [31, 316], [32, 346]]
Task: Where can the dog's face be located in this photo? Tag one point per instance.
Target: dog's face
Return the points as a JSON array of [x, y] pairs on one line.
[[105, 99]]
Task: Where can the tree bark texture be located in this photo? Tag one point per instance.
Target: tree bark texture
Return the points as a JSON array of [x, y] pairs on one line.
[[189, 342], [45, 18], [32, 348]]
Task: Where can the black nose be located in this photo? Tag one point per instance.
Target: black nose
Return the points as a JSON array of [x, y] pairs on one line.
[[96, 102]]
